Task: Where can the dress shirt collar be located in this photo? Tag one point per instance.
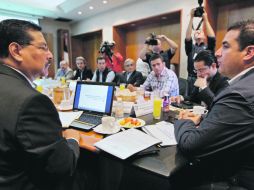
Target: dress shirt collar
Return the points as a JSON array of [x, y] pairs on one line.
[[239, 75], [30, 82], [163, 72]]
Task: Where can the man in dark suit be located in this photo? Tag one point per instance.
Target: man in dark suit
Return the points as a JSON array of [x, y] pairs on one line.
[[131, 76], [221, 147], [33, 152], [209, 81], [82, 72]]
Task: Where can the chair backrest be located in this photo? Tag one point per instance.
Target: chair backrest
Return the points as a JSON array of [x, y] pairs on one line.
[[183, 86]]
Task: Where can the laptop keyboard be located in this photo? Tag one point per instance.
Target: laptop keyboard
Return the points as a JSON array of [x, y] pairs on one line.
[[92, 119]]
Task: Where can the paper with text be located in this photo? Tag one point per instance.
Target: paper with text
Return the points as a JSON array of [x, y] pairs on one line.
[[126, 143], [67, 118], [163, 131]]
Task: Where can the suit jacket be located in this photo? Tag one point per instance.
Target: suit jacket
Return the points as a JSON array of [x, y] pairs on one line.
[[135, 79], [86, 74], [217, 83], [33, 153], [223, 145]]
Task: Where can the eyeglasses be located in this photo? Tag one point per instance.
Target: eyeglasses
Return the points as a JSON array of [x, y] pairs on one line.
[[129, 65], [201, 70], [43, 47]]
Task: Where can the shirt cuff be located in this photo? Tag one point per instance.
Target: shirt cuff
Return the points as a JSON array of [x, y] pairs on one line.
[[73, 139]]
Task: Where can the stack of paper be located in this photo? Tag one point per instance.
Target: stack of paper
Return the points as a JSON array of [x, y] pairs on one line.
[[163, 131], [126, 143], [68, 117]]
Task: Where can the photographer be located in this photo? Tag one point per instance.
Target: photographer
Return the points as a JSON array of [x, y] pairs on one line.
[[113, 59], [153, 45], [199, 37]]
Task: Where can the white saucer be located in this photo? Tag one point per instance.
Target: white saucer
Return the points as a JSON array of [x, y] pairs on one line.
[[101, 130], [64, 108]]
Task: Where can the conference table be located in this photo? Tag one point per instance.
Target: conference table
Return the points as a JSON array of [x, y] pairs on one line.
[[106, 172]]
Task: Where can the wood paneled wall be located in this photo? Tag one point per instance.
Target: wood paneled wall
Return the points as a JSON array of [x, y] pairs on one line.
[[87, 45], [228, 12], [49, 39], [130, 39]]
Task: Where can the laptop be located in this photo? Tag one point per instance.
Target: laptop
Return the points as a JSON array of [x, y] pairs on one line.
[[95, 100]]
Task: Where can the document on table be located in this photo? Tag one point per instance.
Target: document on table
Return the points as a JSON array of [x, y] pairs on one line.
[[163, 131], [126, 143], [67, 118]]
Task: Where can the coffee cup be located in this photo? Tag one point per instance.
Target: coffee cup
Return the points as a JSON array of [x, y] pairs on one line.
[[199, 110], [108, 123]]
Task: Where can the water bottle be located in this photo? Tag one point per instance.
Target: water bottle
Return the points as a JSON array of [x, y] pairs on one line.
[[119, 113]]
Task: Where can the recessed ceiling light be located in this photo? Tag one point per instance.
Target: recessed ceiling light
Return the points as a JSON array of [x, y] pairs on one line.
[[104, 2], [80, 13], [91, 8], [133, 24], [164, 18]]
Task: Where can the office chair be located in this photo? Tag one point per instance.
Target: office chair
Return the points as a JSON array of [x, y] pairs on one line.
[[183, 87]]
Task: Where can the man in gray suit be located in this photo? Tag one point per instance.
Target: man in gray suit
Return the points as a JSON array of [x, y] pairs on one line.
[[33, 152], [221, 146]]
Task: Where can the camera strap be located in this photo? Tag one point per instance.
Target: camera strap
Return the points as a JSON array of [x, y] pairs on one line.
[[199, 24]]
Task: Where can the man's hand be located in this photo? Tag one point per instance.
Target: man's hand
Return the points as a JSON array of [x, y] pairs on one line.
[[191, 116], [131, 87], [192, 12], [201, 83], [204, 16], [71, 134], [176, 99], [161, 37]]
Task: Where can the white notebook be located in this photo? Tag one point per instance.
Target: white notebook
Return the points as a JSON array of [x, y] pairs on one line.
[[163, 131], [126, 143]]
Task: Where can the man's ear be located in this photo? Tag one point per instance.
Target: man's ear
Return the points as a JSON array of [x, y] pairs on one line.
[[14, 51], [249, 55]]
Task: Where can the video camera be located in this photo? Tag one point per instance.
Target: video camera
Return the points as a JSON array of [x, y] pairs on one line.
[[199, 10], [152, 40], [106, 48]]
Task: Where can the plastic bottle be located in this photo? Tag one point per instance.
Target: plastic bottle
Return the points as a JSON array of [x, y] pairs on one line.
[[166, 102], [119, 112]]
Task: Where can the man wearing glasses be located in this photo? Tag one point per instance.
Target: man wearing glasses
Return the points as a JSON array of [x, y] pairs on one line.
[[131, 77], [209, 81], [33, 152], [220, 148]]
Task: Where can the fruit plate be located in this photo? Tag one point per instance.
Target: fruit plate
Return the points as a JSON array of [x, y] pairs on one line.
[[130, 122]]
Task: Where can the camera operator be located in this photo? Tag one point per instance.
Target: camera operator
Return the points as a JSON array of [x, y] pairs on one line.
[[113, 59], [199, 38], [153, 45]]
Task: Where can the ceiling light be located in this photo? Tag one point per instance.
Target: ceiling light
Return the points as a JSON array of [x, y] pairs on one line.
[[91, 7], [80, 13], [133, 24], [104, 2], [164, 18]]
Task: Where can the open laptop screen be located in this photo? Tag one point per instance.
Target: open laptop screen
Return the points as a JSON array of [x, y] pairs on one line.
[[94, 97]]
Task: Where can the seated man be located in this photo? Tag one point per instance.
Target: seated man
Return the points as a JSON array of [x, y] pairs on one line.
[[161, 78], [82, 73], [64, 70], [209, 81], [102, 73], [220, 148], [34, 152], [131, 76]]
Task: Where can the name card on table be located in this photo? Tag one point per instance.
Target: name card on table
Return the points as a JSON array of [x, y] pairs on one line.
[[127, 106], [144, 108]]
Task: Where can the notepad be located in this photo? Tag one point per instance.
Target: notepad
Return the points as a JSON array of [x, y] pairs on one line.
[[67, 118], [163, 131], [126, 143]]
